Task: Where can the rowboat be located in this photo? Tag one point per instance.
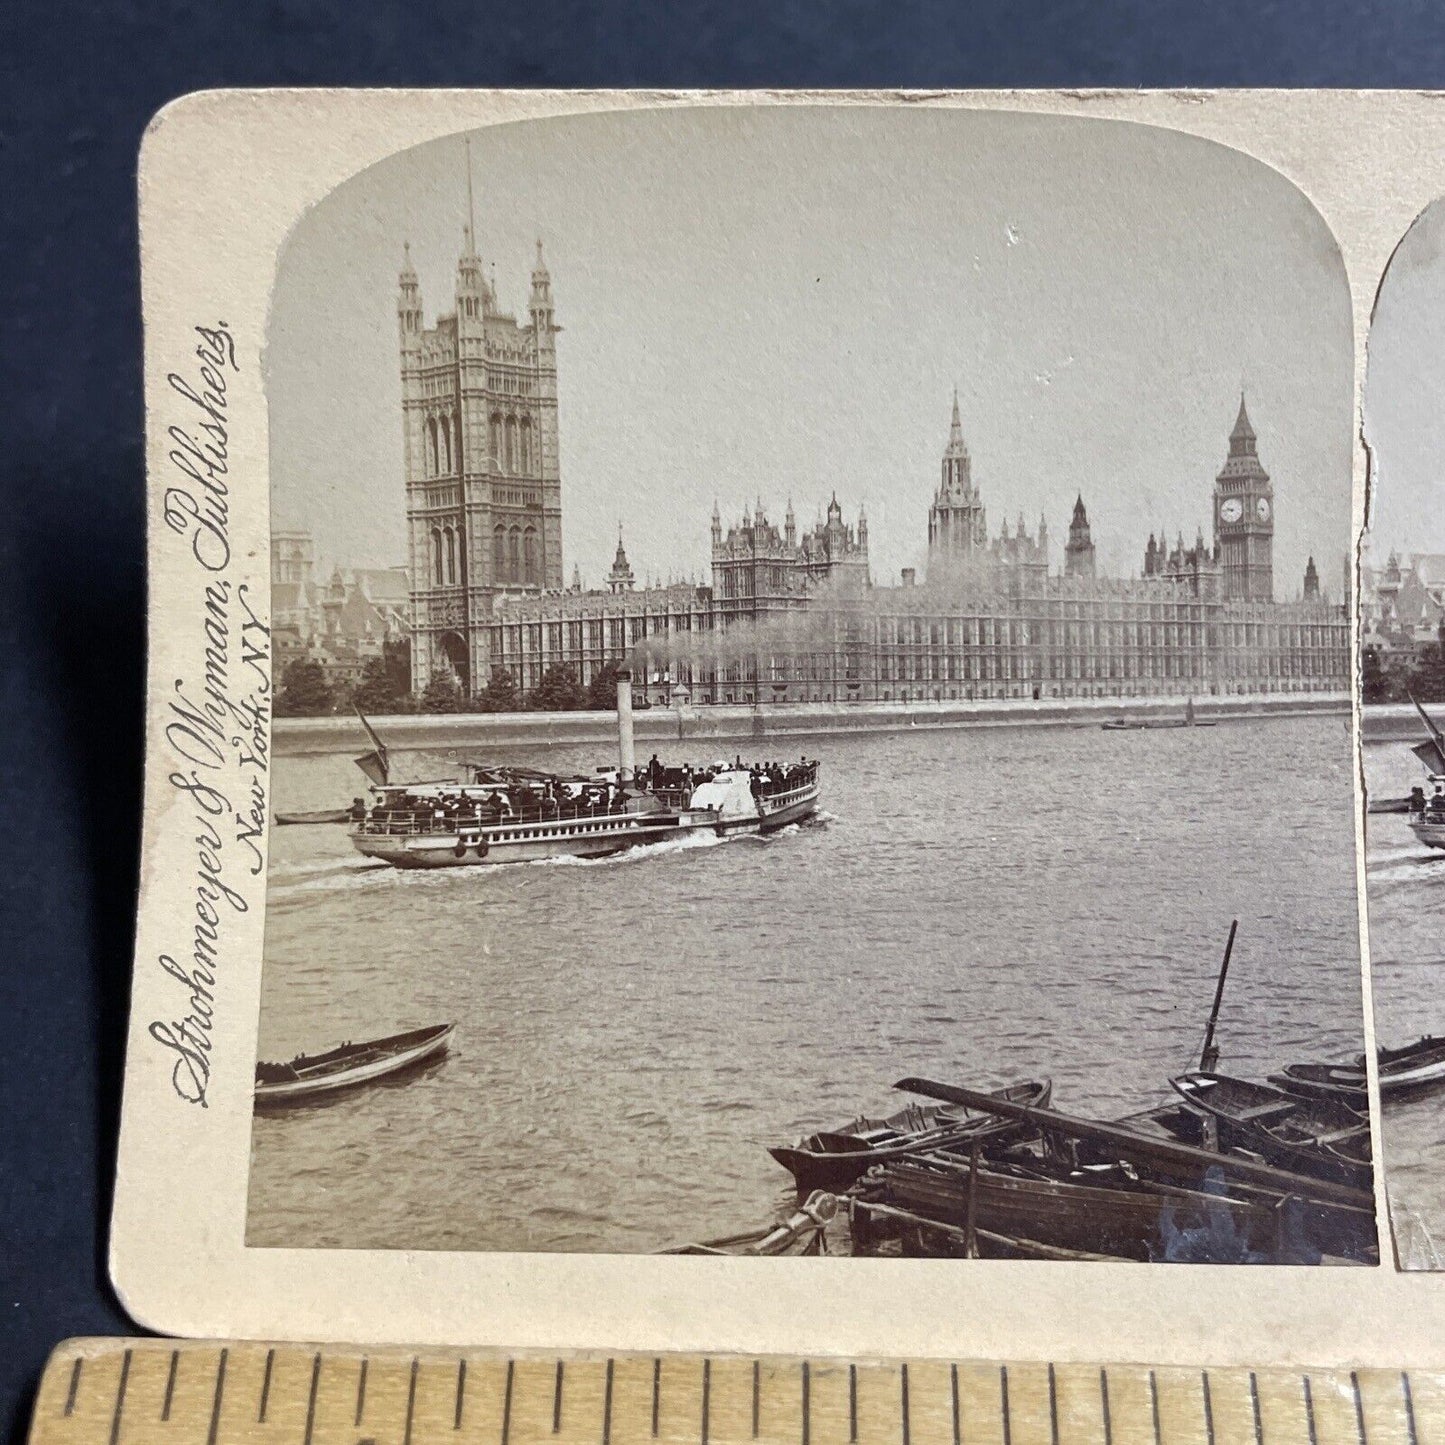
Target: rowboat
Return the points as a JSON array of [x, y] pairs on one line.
[[324, 815], [1320, 1138], [1342, 1082], [834, 1159], [1408, 1069], [1412, 1066], [348, 1065]]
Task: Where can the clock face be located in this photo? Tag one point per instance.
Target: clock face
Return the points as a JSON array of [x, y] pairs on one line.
[[1262, 508], [1231, 509]]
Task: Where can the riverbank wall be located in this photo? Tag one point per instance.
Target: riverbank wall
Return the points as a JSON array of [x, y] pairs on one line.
[[1396, 722], [695, 727]]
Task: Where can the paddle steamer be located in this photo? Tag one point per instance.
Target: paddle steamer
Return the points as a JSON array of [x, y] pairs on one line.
[[519, 815]]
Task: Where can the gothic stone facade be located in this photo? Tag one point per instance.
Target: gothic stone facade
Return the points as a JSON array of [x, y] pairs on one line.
[[786, 617], [483, 490]]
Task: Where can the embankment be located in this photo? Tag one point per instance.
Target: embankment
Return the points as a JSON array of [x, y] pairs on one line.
[[656, 725]]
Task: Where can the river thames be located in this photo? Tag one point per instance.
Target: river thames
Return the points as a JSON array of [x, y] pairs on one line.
[[1405, 882], [973, 905]]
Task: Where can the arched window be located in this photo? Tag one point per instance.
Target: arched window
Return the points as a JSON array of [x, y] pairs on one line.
[[499, 554], [514, 554], [436, 556], [526, 447], [451, 540], [461, 556], [511, 444], [497, 442], [444, 450], [431, 446], [529, 554], [457, 442]]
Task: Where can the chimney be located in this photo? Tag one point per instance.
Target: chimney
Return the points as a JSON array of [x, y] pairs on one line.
[[910, 577], [627, 757]]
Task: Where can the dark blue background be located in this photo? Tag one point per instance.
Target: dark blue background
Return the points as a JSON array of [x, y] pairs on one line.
[[78, 82]]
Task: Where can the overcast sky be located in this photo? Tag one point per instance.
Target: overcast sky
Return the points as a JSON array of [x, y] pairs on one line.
[[779, 302], [1405, 395]]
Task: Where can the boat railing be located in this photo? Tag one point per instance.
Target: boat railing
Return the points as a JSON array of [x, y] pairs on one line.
[[411, 822]]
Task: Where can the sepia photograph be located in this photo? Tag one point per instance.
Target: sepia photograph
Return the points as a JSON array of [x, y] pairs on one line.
[[812, 664], [1402, 682]]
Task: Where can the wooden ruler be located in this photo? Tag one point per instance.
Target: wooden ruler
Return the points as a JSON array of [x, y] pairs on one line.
[[127, 1392]]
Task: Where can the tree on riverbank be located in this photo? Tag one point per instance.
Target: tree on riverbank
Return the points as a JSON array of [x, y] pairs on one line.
[[443, 693], [558, 691], [500, 693], [602, 690], [304, 691], [385, 685]]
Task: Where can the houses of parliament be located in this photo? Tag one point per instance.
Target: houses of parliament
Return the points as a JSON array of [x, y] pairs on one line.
[[795, 615]]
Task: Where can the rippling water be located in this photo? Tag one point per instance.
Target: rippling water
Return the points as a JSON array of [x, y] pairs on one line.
[[631, 1033], [1406, 887]]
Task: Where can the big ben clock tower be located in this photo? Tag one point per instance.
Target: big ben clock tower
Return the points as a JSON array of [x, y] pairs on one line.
[[1244, 518]]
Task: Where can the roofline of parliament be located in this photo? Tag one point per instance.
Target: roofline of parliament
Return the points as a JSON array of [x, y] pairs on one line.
[[484, 513]]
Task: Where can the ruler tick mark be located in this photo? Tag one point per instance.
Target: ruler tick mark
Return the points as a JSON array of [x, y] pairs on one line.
[[1359, 1406], [411, 1400], [507, 1403], [606, 1407], [216, 1402], [852, 1405], [1208, 1407], [170, 1385], [903, 1399], [1053, 1408], [1104, 1401], [953, 1390], [1254, 1405], [266, 1386], [462, 1391], [311, 1398], [361, 1391], [1154, 1404], [656, 1391], [757, 1394], [807, 1403], [706, 1396], [557, 1400], [120, 1398], [75, 1385], [1003, 1403], [1409, 1406]]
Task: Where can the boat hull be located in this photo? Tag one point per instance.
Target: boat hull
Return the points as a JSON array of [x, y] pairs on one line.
[[429, 1043], [1432, 835], [600, 837]]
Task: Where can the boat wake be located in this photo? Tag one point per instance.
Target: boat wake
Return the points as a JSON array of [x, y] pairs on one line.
[[1404, 865]]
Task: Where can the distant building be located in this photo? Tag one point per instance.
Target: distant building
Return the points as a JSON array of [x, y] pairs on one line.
[[341, 623], [1402, 605]]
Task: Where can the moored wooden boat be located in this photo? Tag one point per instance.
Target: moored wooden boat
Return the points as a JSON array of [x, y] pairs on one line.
[[1412, 1066], [1321, 1138], [834, 1159], [1406, 1069], [348, 1065], [1342, 1082], [1098, 1212]]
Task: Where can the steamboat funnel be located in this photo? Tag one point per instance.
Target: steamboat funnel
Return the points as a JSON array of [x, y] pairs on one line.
[[626, 755]]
